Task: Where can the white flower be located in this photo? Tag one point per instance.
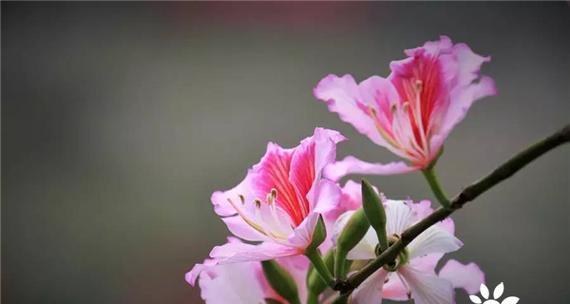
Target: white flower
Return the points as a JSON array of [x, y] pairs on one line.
[[413, 275]]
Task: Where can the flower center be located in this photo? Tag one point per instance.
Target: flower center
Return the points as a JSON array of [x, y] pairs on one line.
[[401, 259]]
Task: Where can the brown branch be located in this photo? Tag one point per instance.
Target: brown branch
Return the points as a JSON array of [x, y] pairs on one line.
[[468, 194]]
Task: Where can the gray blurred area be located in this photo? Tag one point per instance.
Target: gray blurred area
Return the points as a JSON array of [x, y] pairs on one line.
[[120, 120]]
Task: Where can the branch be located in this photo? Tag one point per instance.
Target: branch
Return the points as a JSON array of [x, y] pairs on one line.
[[468, 194]]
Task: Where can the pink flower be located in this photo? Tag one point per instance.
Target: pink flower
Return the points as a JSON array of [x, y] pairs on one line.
[[412, 112], [414, 276], [243, 283], [279, 202]]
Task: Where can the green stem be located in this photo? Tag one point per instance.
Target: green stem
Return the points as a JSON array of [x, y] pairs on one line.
[[433, 182], [312, 298], [320, 266]]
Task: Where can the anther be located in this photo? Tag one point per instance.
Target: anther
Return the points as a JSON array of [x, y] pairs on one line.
[[419, 86], [257, 203], [242, 198]]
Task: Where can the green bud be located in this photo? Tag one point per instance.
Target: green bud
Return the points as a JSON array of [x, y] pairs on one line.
[[315, 283], [351, 234], [374, 210], [281, 281]]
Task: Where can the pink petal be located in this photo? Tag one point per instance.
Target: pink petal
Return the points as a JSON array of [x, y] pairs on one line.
[[465, 86], [370, 291], [219, 199], [327, 198], [309, 159], [342, 95], [238, 227], [468, 277], [233, 283], [352, 165], [303, 234], [427, 288], [241, 252]]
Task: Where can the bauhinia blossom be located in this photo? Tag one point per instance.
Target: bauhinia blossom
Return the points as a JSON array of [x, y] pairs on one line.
[[413, 274], [279, 202], [411, 112], [243, 283]]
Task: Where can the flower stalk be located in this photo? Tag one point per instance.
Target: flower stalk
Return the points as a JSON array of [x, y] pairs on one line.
[[431, 177]]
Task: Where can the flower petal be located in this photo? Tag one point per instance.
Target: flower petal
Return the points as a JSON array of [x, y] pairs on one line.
[[352, 165], [345, 97], [303, 234], [370, 291], [241, 252], [427, 288], [433, 240], [233, 283], [327, 196], [399, 216], [468, 277], [241, 229]]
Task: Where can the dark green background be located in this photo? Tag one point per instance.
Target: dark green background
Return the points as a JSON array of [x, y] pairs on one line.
[[120, 120]]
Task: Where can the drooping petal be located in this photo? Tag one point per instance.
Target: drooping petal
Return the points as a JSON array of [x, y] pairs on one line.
[[370, 291], [232, 283], [427, 288], [345, 97], [433, 240], [241, 252], [195, 272], [352, 165], [468, 277]]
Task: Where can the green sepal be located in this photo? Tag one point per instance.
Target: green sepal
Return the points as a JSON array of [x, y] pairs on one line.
[[374, 210], [281, 281], [319, 235]]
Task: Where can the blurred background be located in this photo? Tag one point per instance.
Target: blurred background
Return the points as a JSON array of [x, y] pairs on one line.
[[120, 120]]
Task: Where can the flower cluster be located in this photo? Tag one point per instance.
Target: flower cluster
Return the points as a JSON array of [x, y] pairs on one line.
[[297, 231]]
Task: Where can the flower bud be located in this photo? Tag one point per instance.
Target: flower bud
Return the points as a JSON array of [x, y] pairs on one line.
[[281, 281], [374, 210], [351, 234]]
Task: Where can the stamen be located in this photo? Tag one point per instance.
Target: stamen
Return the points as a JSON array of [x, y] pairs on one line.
[[257, 203], [419, 86], [242, 198]]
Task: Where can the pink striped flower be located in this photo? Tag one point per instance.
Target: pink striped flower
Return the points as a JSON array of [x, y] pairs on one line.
[[411, 112], [279, 202]]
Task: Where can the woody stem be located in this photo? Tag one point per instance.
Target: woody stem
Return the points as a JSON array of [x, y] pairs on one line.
[[468, 194]]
